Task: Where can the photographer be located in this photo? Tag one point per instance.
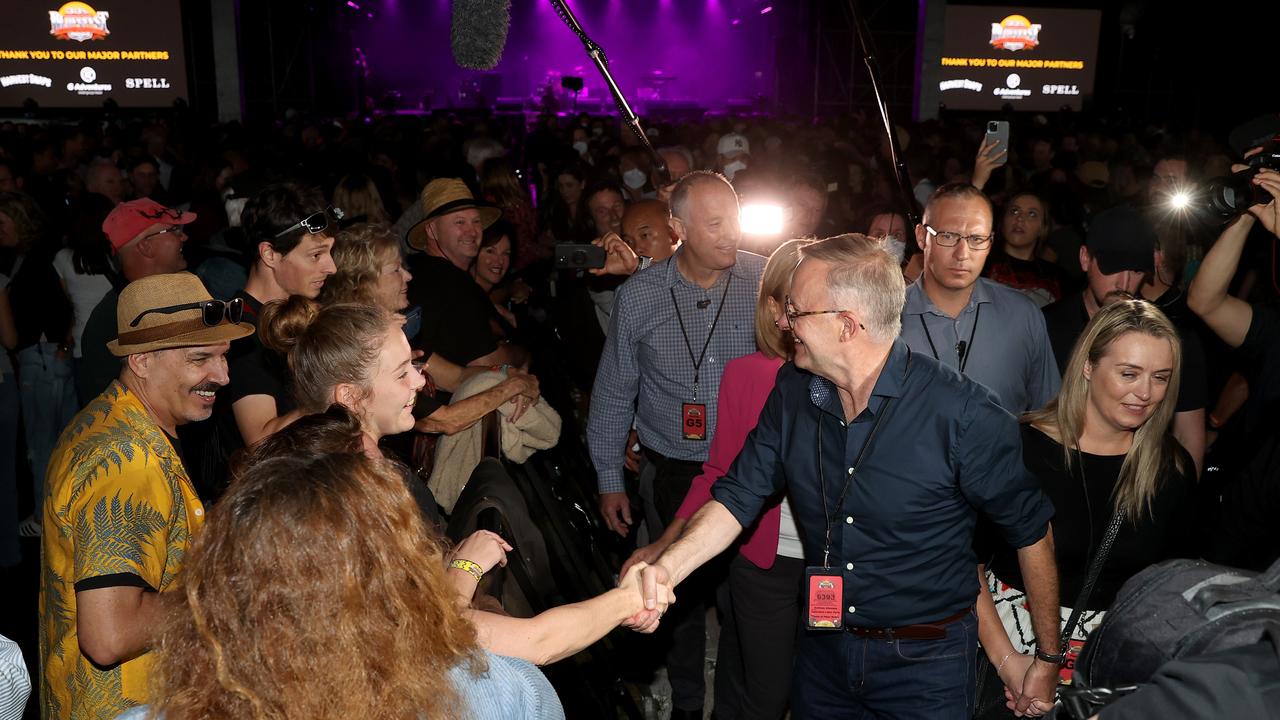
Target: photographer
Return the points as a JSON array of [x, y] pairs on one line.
[[1246, 534]]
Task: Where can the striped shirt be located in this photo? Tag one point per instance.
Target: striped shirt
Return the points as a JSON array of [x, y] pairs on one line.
[[15, 683], [646, 372]]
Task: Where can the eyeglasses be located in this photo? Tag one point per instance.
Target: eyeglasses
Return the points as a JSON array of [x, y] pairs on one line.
[[949, 239], [175, 229], [792, 314], [315, 223], [211, 311]]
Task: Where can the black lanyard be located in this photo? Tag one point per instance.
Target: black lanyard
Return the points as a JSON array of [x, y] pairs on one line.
[[857, 463], [697, 364], [963, 349]]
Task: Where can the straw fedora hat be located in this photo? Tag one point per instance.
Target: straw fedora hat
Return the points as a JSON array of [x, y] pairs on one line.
[[441, 197], [165, 311]]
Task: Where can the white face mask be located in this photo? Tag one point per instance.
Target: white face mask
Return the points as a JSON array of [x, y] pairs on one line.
[[732, 168], [895, 247], [633, 178], [581, 147]]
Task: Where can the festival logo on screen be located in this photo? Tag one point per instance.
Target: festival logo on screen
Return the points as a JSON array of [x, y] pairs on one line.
[[77, 21], [1015, 32]]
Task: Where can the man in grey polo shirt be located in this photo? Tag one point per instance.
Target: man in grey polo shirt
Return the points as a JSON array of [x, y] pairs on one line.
[[990, 333]]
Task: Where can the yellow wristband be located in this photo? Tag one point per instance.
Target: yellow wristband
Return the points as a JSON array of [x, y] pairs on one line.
[[467, 565]]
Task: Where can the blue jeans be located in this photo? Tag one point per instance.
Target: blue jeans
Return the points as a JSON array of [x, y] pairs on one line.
[[48, 403], [840, 675], [9, 553]]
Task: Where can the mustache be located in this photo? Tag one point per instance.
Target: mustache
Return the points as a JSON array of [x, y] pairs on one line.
[[207, 387]]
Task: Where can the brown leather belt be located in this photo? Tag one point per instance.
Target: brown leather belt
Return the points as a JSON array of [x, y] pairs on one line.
[[924, 631]]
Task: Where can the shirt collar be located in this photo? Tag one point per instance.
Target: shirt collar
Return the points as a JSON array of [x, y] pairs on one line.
[[674, 277], [918, 302], [891, 383]]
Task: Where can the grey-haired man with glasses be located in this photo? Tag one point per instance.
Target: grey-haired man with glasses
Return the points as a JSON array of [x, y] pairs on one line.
[[988, 332]]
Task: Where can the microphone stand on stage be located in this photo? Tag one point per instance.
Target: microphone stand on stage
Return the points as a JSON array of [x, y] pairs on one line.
[[596, 53], [873, 72]]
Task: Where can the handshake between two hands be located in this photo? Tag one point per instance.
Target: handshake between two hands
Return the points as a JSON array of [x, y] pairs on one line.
[[649, 592]]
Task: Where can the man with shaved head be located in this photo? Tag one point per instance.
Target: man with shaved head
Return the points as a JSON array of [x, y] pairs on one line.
[[646, 227]]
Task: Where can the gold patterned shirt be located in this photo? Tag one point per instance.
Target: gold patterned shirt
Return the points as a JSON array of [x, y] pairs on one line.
[[119, 511]]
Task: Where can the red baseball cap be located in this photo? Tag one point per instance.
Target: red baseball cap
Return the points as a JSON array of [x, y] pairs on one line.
[[128, 219]]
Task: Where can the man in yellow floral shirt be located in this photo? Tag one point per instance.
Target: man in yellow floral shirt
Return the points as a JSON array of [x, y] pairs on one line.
[[120, 509]]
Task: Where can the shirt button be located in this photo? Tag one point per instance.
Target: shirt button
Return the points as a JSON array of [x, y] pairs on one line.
[[199, 512], [850, 471], [848, 566], [848, 520], [851, 609]]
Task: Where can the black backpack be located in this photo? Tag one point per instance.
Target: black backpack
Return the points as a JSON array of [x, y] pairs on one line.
[[1177, 609]]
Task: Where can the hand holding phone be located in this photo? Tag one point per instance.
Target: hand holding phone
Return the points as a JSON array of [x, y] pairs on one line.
[[574, 256], [996, 142]]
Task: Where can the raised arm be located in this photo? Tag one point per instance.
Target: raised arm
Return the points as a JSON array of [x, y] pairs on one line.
[[1207, 296]]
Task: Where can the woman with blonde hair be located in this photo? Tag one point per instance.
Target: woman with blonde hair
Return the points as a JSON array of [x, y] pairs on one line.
[[368, 268], [1103, 453], [306, 596], [356, 356], [764, 577], [370, 271]]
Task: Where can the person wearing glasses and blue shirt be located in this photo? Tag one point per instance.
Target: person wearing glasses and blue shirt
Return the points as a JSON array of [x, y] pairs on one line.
[[120, 509], [888, 458], [988, 332]]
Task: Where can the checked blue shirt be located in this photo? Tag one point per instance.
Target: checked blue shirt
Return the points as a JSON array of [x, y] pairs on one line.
[[645, 371]]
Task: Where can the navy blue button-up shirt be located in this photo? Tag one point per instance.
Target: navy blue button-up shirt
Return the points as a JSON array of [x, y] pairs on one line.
[[903, 538]]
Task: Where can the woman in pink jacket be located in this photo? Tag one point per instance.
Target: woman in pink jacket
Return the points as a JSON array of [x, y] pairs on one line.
[[765, 577]]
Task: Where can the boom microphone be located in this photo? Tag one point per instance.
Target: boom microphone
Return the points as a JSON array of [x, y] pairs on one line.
[[479, 32]]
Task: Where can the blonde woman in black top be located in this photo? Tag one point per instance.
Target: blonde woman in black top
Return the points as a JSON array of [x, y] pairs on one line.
[[1101, 447]]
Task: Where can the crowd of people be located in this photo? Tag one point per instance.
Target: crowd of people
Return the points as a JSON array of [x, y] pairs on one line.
[[253, 371]]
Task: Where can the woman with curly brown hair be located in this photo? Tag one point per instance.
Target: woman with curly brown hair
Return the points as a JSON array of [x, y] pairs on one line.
[[306, 596]]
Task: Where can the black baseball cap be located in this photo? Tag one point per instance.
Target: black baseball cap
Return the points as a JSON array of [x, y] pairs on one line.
[[1120, 239]]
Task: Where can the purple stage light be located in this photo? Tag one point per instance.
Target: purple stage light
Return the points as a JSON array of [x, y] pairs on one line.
[[352, 4], [723, 65], [766, 10]]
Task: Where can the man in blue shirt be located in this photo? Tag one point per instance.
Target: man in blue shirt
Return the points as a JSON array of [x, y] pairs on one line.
[[886, 455], [990, 333], [673, 328]]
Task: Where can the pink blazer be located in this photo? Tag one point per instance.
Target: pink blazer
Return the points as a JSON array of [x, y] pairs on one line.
[[744, 387]]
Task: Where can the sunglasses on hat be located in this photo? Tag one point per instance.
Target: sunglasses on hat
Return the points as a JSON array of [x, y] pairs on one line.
[[211, 311], [315, 222]]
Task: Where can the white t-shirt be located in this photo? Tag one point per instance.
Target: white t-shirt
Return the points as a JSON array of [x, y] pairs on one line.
[[86, 291], [788, 536]]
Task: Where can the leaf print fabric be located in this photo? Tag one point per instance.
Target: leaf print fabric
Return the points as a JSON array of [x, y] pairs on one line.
[[120, 510]]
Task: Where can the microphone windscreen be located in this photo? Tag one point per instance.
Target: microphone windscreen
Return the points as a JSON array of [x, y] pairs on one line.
[[479, 32]]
